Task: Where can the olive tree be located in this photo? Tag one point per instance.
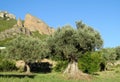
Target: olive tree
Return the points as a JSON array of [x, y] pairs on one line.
[[26, 48], [109, 54], [69, 44]]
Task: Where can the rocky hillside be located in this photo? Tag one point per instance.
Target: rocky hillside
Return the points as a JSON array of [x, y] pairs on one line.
[[15, 31], [10, 27], [30, 24]]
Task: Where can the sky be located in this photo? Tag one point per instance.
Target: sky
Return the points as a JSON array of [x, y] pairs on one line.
[[102, 15]]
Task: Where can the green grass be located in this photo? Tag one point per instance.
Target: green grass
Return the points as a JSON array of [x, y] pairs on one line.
[[6, 24], [107, 76]]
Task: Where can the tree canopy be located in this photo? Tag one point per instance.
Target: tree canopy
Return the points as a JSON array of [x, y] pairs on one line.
[[27, 49], [67, 42]]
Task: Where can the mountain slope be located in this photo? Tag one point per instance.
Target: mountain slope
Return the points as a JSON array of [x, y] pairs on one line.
[[31, 26]]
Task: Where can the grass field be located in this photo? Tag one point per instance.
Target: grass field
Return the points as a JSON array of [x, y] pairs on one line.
[[106, 76]]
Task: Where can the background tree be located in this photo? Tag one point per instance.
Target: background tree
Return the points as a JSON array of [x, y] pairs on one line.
[[109, 54], [109, 57], [117, 49], [26, 48], [69, 44]]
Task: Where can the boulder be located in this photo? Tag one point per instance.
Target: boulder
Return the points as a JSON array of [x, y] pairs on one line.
[[20, 64]]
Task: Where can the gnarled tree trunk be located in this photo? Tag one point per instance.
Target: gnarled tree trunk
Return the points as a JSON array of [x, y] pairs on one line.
[[28, 69], [73, 72]]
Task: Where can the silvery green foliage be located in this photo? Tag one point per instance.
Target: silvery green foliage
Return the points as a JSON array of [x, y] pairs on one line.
[[27, 49], [69, 43]]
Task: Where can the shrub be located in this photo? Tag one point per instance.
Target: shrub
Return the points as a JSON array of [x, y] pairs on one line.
[[7, 65], [90, 62], [60, 66]]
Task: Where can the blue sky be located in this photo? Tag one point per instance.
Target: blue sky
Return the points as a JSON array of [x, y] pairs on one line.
[[103, 15]]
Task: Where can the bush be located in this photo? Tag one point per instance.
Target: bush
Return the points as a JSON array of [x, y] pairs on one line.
[[90, 62], [7, 65], [60, 66]]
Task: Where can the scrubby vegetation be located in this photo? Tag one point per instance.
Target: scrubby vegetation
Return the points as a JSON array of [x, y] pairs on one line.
[[7, 65], [38, 35], [4, 42], [90, 62]]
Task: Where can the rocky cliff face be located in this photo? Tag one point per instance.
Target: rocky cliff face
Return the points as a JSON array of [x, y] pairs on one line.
[[35, 24]]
